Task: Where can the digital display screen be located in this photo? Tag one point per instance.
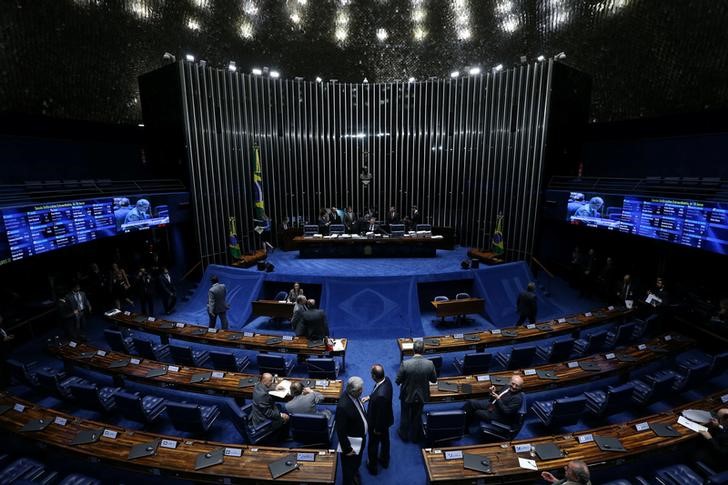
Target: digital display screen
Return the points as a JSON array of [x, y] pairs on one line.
[[697, 224]]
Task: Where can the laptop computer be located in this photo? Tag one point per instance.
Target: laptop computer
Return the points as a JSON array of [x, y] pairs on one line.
[[280, 467], [544, 327], [143, 449], [626, 358], [213, 457], [548, 451], [87, 436], [509, 333], [273, 340], [589, 366], [476, 463], [607, 443], [201, 377], [664, 430]]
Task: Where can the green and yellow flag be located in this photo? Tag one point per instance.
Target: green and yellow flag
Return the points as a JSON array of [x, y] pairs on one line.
[[497, 244], [260, 219], [233, 244]]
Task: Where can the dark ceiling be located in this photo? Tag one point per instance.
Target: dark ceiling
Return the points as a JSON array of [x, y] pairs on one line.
[[80, 58]]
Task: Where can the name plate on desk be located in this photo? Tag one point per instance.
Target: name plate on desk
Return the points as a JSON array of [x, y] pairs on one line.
[[72, 344], [211, 330], [483, 378], [609, 356], [248, 334], [306, 457], [179, 325], [287, 338], [233, 452], [459, 336], [588, 314], [668, 338], [110, 433], [529, 372], [585, 438], [418, 339], [531, 326], [151, 319], [127, 313], [454, 455], [641, 347], [724, 398], [171, 444], [496, 331], [562, 320], [60, 421], [135, 361], [101, 353], [522, 448], [408, 346], [218, 374], [642, 426], [173, 368], [19, 407], [610, 308], [572, 365]]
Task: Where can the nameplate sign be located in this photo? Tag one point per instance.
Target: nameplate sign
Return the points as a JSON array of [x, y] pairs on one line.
[[609, 356], [218, 375], [151, 319], [233, 452], [60, 421], [101, 353], [562, 320], [572, 365], [588, 314], [641, 347], [179, 325], [531, 326], [585, 438], [19, 407], [522, 448], [72, 344], [135, 361], [127, 313], [642, 426], [110, 433], [248, 334], [496, 331], [211, 330], [173, 368], [485, 377], [454, 455], [529, 372], [724, 398], [287, 338], [610, 307], [171, 444], [668, 338]]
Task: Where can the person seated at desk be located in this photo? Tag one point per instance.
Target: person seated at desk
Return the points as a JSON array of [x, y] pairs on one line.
[[716, 452], [373, 227], [305, 400], [295, 292], [576, 472], [502, 406], [264, 406]]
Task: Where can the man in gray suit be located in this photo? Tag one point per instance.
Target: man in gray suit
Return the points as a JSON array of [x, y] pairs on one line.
[[216, 304], [80, 307], [264, 406], [414, 378], [305, 400]]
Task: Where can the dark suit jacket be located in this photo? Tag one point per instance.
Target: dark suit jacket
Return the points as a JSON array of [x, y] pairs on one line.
[[526, 304], [263, 406], [506, 408], [379, 412], [297, 323], [414, 377], [348, 422], [73, 303], [392, 217], [366, 228], [334, 218], [167, 286], [719, 440], [315, 324]]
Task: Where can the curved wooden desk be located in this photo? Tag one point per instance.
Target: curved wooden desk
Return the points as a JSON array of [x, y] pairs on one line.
[[504, 459], [566, 375], [99, 360], [167, 329], [486, 338], [250, 467]]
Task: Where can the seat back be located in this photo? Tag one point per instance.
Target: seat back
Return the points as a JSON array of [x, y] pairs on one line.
[[441, 298], [321, 367], [49, 380], [423, 227], [521, 357], [595, 341], [662, 386], [130, 406], [145, 348], [567, 410], [436, 361], [561, 350], [462, 296], [476, 363], [186, 417], [253, 434], [21, 372], [87, 395], [182, 354], [274, 364], [116, 341], [444, 425], [223, 361], [310, 429], [618, 398], [720, 362], [310, 229], [695, 374], [624, 333], [336, 229], [281, 295], [644, 327]]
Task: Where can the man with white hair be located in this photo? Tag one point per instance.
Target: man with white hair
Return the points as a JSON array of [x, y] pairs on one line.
[[351, 422]]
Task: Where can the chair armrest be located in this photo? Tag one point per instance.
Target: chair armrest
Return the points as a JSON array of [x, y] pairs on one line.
[[502, 426]]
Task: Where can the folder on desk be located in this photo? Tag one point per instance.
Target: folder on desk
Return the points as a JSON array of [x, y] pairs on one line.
[[140, 319], [214, 457], [4, 408], [447, 387], [547, 374], [589, 366], [36, 425], [201, 377], [280, 467], [160, 371], [199, 331], [607, 443], [548, 451], [86, 355], [143, 449], [434, 342], [233, 336], [476, 463], [119, 363], [500, 380], [509, 333], [316, 343], [664, 430], [466, 389], [472, 337], [626, 358], [273, 341], [248, 382], [657, 348], [166, 325], [544, 327], [87, 436], [573, 321]]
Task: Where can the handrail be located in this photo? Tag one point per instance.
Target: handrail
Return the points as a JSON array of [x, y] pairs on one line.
[[184, 277], [540, 265]]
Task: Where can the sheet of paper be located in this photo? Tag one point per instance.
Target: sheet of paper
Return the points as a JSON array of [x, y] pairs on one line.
[[527, 464], [284, 391], [355, 444], [691, 425], [408, 345], [338, 345]]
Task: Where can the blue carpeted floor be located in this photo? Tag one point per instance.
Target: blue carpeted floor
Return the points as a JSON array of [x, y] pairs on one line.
[[371, 302]]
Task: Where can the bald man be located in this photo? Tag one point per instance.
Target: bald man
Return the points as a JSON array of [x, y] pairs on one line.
[[575, 473], [264, 406], [502, 405]]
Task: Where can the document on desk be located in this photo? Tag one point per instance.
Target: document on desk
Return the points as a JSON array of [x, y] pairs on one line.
[[338, 345], [527, 464], [653, 300], [691, 425], [408, 345], [355, 443], [282, 390]]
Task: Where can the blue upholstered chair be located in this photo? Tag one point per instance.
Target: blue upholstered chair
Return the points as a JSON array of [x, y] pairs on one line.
[[276, 364], [620, 335], [654, 387], [312, 429], [21, 469], [693, 375], [253, 434], [440, 426], [505, 432], [517, 358], [560, 412], [90, 396], [193, 418], [151, 351], [717, 363], [322, 368], [78, 479], [310, 229], [614, 400], [57, 382], [644, 327], [475, 363], [678, 475], [21, 372], [556, 351], [184, 355], [118, 342], [592, 342], [228, 361], [144, 409]]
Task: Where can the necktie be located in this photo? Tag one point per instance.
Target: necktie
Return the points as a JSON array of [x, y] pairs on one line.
[[360, 408]]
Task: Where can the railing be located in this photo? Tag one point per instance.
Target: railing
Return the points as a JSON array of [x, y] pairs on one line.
[[712, 188]]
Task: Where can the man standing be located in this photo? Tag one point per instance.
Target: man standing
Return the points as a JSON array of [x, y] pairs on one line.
[[526, 305], [575, 473], [351, 423], [379, 417], [216, 304], [350, 220], [80, 307], [315, 325], [414, 378], [263, 405], [145, 290], [169, 292], [502, 405], [334, 217], [626, 292], [304, 401]]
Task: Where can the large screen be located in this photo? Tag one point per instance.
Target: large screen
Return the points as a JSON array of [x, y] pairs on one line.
[[698, 224], [139, 213]]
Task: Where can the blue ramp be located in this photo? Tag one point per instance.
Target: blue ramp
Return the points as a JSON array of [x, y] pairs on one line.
[[500, 286], [242, 288], [372, 307]]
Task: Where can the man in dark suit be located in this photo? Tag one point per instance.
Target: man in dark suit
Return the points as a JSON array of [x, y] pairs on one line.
[[502, 405], [414, 218], [314, 322], [79, 305], [169, 292], [145, 291], [414, 377], [297, 319], [373, 227], [351, 422], [216, 304], [392, 216], [264, 406], [334, 217], [659, 293], [379, 417], [717, 435], [526, 305], [626, 290], [350, 220]]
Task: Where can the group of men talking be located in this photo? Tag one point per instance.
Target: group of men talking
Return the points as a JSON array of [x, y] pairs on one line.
[[307, 320]]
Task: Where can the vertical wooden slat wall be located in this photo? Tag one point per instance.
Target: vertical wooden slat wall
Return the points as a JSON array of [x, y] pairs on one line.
[[462, 150]]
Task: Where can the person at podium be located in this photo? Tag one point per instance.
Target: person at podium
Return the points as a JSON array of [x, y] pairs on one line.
[[373, 227]]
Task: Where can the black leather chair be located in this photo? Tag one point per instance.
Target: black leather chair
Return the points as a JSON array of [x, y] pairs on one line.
[[312, 429], [505, 432], [275, 364], [441, 426], [193, 418], [183, 354], [228, 361]]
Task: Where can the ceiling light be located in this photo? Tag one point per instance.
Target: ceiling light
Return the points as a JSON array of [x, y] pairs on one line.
[[418, 15], [274, 74], [464, 34], [498, 68], [454, 74], [560, 55], [203, 63], [382, 34], [246, 30], [341, 19], [193, 24], [140, 125], [232, 67], [189, 58], [420, 33], [366, 81], [474, 71], [318, 79], [250, 8], [541, 58], [340, 34], [257, 71], [169, 57], [302, 2], [295, 18], [411, 80]]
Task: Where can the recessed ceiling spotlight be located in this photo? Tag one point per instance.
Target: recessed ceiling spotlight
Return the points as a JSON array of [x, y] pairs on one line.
[[318, 79], [474, 71], [498, 68], [411, 80], [274, 74], [541, 58], [454, 74], [257, 71], [189, 58], [382, 34], [232, 67], [365, 81]]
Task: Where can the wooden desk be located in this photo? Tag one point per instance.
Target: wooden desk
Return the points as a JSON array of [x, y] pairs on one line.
[[465, 306], [273, 309], [250, 467], [504, 460], [487, 257], [224, 338], [310, 247], [457, 343], [566, 376], [228, 385]]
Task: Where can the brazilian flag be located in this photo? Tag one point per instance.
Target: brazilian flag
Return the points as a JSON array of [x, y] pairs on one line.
[[260, 219], [497, 243], [233, 244]]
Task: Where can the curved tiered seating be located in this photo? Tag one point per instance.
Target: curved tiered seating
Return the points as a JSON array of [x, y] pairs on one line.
[[169, 455]]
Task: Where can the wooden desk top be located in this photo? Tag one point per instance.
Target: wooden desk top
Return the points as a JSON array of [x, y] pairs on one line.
[[486, 338], [341, 241], [463, 306], [251, 466], [222, 338], [567, 376], [504, 460], [228, 385]]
